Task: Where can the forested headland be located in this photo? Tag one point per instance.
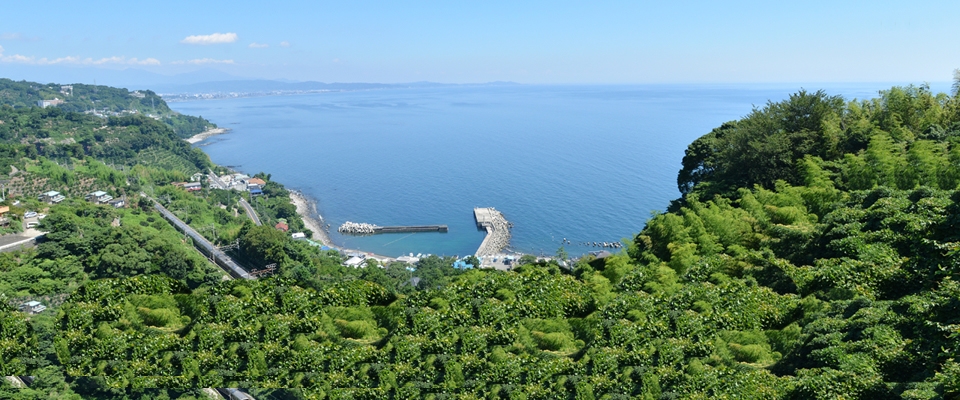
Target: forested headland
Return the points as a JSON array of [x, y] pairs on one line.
[[813, 254], [103, 100]]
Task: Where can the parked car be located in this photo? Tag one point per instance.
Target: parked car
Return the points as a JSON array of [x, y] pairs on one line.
[[32, 224], [30, 214], [41, 216]]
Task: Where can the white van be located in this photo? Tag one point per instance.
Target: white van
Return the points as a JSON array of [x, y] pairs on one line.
[[32, 224]]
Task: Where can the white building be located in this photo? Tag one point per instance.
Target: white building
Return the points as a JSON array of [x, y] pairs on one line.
[[354, 262], [48, 103], [52, 197], [32, 307], [99, 197]]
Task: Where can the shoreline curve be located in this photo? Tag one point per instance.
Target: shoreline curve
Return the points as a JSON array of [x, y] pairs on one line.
[[206, 134]]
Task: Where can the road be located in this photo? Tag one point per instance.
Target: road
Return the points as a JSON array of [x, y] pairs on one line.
[[27, 238], [216, 182], [250, 212]]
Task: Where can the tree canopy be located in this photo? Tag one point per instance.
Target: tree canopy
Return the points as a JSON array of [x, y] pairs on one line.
[[815, 253]]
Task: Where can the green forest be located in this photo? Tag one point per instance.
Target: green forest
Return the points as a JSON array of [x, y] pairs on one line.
[[814, 254], [82, 98]]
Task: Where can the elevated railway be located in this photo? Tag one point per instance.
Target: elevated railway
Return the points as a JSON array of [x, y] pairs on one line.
[[208, 249]]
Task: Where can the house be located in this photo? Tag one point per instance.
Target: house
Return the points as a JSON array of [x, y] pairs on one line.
[[117, 203], [52, 197], [408, 259], [255, 190], [354, 262], [282, 226], [299, 236], [66, 89], [138, 94], [98, 197], [196, 177], [256, 181], [4, 210], [189, 186], [32, 307], [48, 103]]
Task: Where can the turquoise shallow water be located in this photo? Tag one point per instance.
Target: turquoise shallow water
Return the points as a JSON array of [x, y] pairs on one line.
[[585, 163]]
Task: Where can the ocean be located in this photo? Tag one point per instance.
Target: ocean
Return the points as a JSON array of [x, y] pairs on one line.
[[581, 163]]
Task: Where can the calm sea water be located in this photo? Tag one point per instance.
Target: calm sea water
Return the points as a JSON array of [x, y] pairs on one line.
[[585, 163]]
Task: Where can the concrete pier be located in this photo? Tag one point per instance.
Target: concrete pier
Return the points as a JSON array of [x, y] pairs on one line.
[[415, 228], [354, 228], [498, 231]]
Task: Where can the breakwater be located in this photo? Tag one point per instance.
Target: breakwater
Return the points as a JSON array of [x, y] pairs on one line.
[[498, 231], [360, 228]]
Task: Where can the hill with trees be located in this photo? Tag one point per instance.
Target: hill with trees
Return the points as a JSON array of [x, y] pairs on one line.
[[814, 254], [101, 100]]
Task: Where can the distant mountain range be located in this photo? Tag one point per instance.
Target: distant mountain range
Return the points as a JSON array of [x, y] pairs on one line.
[[196, 82], [265, 86]]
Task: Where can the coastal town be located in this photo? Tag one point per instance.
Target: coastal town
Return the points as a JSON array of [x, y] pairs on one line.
[[489, 219]]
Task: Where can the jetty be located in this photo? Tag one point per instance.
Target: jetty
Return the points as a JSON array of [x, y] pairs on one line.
[[361, 228], [497, 227]]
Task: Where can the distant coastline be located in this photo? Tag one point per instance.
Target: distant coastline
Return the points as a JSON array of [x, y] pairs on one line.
[[206, 134]]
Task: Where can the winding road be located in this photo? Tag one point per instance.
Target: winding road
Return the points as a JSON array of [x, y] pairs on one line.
[[250, 212]]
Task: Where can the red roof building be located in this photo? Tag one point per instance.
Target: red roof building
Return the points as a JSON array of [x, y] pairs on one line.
[[282, 226]]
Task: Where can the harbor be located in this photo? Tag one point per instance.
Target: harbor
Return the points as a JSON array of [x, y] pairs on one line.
[[498, 231], [487, 219]]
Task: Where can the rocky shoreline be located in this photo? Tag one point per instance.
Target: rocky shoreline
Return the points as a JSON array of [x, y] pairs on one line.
[[307, 209], [206, 134]]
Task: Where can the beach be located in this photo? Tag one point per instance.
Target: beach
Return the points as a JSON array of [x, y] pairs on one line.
[[206, 134], [311, 218]]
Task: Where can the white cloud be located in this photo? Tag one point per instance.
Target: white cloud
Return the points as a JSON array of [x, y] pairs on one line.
[[256, 45], [10, 36], [284, 44], [17, 36], [121, 60], [200, 61], [1, 50], [73, 60], [16, 58], [215, 38]]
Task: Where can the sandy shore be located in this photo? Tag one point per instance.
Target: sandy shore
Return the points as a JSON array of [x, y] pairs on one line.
[[311, 218], [205, 134], [307, 209]]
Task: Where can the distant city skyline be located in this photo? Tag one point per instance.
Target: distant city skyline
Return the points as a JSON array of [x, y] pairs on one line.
[[525, 42]]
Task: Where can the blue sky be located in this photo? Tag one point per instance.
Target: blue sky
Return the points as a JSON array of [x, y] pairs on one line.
[[463, 42]]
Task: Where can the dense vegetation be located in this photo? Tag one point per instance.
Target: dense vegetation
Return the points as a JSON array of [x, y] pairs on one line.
[[102, 99], [814, 254]]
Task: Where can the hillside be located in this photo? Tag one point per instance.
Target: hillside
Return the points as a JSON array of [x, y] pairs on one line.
[[101, 100], [814, 254]]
